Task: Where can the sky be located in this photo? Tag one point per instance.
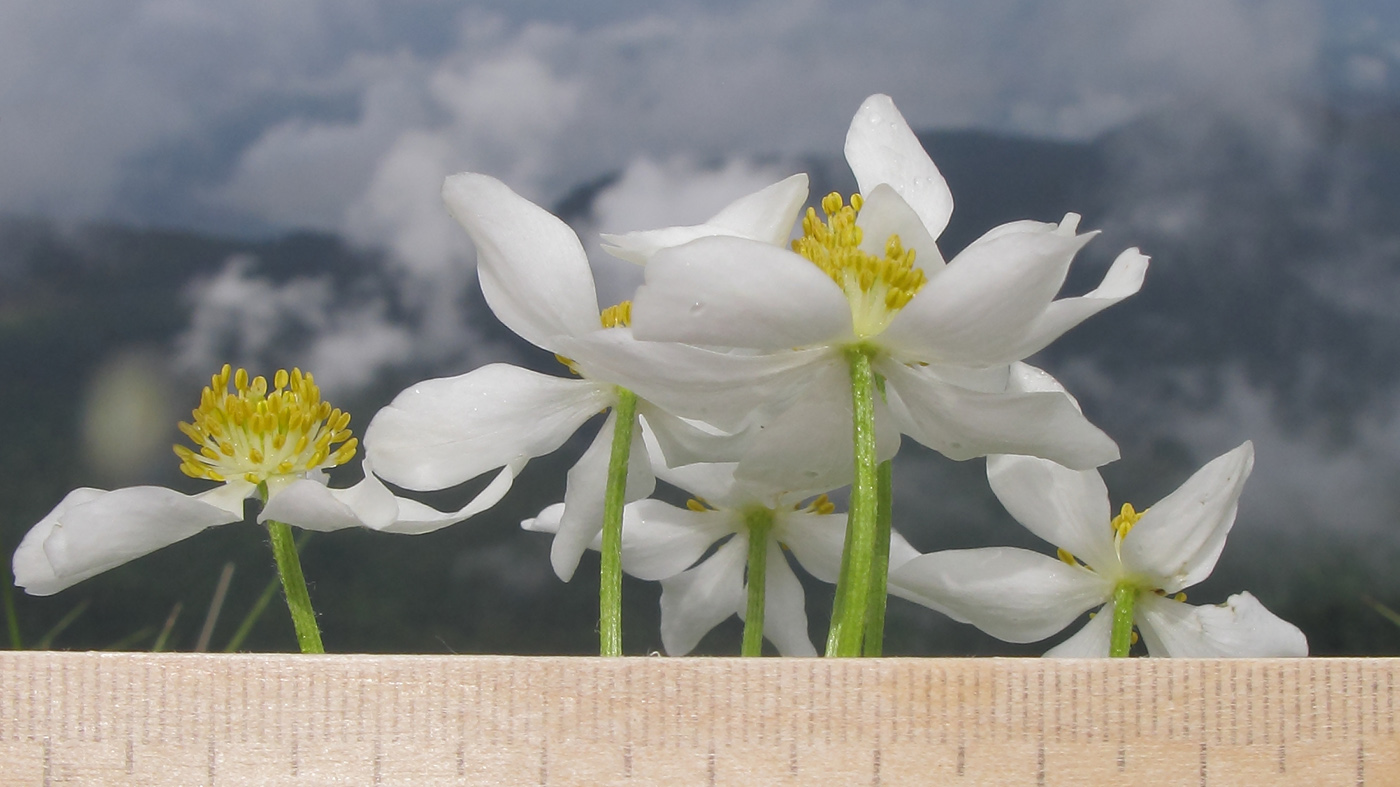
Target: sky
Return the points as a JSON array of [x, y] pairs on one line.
[[257, 117]]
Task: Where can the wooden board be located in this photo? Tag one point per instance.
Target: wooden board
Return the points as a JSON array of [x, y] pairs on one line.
[[256, 719]]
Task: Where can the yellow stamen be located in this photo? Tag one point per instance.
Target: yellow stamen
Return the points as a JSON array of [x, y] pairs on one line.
[[617, 316], [697, 505], [1066, 557], [1124, 522], [254, 435], [876, 287], [820, 504]]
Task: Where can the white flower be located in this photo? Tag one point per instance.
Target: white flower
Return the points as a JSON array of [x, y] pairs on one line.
[[536, 278], [946, 338], [1023, 596], [663, 542], [281, 441]]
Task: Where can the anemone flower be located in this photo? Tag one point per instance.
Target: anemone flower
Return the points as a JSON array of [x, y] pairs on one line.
[[1133, 567]]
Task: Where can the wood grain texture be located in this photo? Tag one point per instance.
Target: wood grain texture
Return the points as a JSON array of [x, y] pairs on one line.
[[259, 719]]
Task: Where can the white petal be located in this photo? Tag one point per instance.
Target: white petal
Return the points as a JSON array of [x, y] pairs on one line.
[[963, 424], [784, 606], [1241, 627], [1068, 508], [881, 148], [660, 540], [816, 540], [885, 213], [767, 216], [313, 506], [730, 292], [700, 599], [808, 448], [1178, 540], [533, 270], [442, 432], [678, 441], [547, 521], [1124, 278], [719, 388], [582, 520], [91, 531], [1013, 594], [977, 308], [1090, 642]]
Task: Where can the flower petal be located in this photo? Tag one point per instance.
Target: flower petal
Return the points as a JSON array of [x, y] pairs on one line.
[[660, 540], [816, 540], [885, 213], [1068, 508], [730, 292], [697, 600], [1124, 278], [722, 389], [1241, 627], [1013, 594], [784, 606], [442, 432], [91, 531], [881, 148], [977, 308], [314, 506], [1090, 642], [1177, 541], [962, 424], [534, 272], [582, 519], [678, 441], [767, 216]]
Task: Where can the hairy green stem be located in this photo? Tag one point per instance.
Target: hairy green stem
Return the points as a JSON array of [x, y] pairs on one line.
[[1124, 597], [284, 550], [610, 580], [880, 567], [853, 588], [760, 523]]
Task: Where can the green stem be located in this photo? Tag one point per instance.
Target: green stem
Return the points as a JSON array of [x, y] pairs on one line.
[[610, 581], [284, 550], [264, 598], [880, 567], [760, 523], [1124, 596], [853, 588]]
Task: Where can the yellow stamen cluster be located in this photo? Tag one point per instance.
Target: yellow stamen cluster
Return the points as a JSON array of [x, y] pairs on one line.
[[619, 316], [255, 434], [821, 504], [877, 287], [1124, 522]]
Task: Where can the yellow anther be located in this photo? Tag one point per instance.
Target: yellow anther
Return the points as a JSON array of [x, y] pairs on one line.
[[876, 287], [1135, 637], [619, 315], [255, 435], [697, 505], [1065, 557], [821, 504], [1180, 597], [1125, 520]]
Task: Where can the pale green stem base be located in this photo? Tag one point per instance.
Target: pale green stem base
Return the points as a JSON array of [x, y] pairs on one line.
[[760, 523], [853, 587], [1121, 639], [284, 550], [614, 498]]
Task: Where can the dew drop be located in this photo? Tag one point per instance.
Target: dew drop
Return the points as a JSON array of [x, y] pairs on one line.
[[697, 307]]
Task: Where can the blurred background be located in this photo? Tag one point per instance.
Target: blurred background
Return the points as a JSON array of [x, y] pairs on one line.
[[186, 183]]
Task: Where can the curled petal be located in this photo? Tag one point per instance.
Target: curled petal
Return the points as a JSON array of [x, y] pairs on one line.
[[697, 600], [1124, 278], [962, 424], [677, 441], [881, 148], [1241, 627], [1068, 508], [534, 272], [91, 531], [885, 213], [1178, 540], [1013, 594], [766, 216], [442, 432], [582, 519], [730, 292], [1090, 642]]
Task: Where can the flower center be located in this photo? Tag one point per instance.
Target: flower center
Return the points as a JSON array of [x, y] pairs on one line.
[[257, 435], [876, 287], [617, 316]]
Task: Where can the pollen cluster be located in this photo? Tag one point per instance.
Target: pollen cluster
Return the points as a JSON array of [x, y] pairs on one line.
[[254, 434], [877, 287], [1124, 522]]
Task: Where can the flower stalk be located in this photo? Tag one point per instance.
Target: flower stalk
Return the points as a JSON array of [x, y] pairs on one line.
[[760, 523], [1121, 638], [610, 580], [854, 586], [284, 550]]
